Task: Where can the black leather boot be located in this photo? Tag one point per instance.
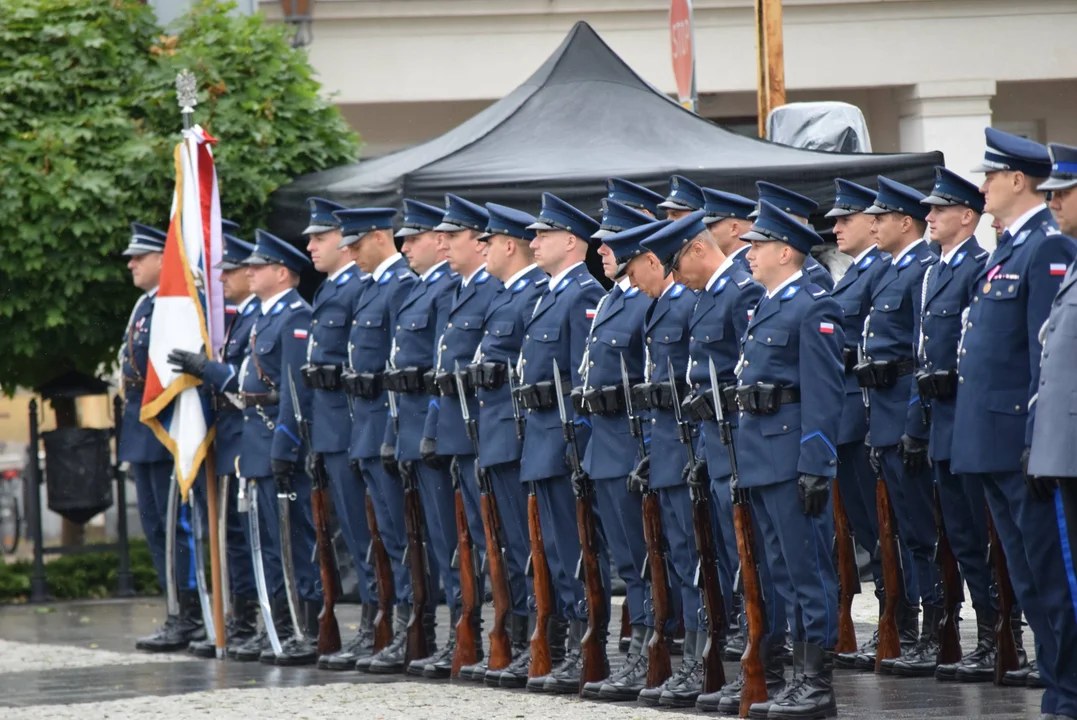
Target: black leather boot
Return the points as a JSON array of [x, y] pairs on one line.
[[923, 658], [687, 682], [418, 665], [390, 660], [440, 666], [1026, 669], [178, 631], [565, 680], [631, 678], [557, 632], [777, 687], [863, 658], [282, 621], [251, 650], [727, 699], [811, 695], [361, 646], [908, 622], [515, 675], [240, 627], [978, 665], [303, 650]]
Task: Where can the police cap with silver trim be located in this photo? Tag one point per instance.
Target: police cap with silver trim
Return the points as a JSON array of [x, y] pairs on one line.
[[145, 239], [271, 250], [670, 240], [321, 216], [1013, 152], [952, 189], [617, 217], [895, 197], [1063, 167], [775, 225], [720, 205], [850, 198], [634, 196], [508, 221], [229, 227], [419, 218], [461, 214], [235, 252], [556, 214], [683, 195], [355, 224], [628, 243], [785, 199]]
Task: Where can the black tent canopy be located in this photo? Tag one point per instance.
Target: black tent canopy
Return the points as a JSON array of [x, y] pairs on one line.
[[582, 117]]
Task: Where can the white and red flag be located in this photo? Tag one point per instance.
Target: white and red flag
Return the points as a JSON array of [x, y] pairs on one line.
[[189, 310]]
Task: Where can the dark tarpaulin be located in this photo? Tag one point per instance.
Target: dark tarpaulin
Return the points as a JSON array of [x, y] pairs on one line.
[[582, 117]]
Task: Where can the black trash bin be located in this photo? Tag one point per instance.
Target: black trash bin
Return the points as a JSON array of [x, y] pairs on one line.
[[78, 472]]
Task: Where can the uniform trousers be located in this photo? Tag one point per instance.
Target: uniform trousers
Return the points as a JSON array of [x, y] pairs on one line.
[[387, 494], [439, 507], [964, 514], [152, 483], [726, 536], [237, 543], [511, 498], [856, 480], [911, 500], [622, 520], [348, 492], [676, 504]]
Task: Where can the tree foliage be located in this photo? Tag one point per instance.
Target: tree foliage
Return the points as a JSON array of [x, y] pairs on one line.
[[88, 123]]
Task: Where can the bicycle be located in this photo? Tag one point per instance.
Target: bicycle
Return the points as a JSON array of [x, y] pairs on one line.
[[10, 516]]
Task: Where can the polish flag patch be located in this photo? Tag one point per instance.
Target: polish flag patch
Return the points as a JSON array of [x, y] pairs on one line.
[[1058, 269], [826, 328], [751, 313], [300, 334], [591, 313]]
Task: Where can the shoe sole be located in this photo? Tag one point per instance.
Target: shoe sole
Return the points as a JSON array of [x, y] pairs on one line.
[[436, 673], [676, 702], [899, 671], [617, 696], [510, 683], [294, 662], [161, 648], [383, 670]]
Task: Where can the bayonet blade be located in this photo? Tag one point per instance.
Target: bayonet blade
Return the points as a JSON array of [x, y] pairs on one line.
[[627, 387], [673, 389], [714, 391], [560, 394], [296, 409], [461, 392], [392, 395]]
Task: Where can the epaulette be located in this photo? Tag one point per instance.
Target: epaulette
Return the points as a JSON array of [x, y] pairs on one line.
[[402, 274], [588, 281], [1053, 231], [482, 277], [815, 291], [296, 304], [981, 254], [677, 290], [928, 259]]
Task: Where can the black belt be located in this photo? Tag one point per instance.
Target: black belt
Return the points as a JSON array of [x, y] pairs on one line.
[[883, 374], [699, 407], [445, 382], [537, 396], [322, 377], [938, 385], [765, 399], [851, 361], [223, 404], [656, 395], [266, 399], [365, 385], [487, 375], [409, 380], [606, 400]]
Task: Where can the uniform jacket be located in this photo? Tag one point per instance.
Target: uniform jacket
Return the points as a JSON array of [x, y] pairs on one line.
[[666, 336], [557, 329], [794, 340], [945, 293], [853, 293], [137, 441], [715, 328], [502, 335], [893, 327], [818, 274], [1054, 453], [617, 331], [420, 320], [999, 363], [373, 319], [278, 345], [223, 377], [331, 320], [459, 339]]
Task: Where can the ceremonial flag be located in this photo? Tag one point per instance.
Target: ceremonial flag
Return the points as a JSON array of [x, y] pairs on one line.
[[189, 311]]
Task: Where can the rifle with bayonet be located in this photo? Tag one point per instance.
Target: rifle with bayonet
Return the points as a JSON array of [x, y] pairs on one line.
[[328, 629], [592, 646], [659, 667], [378, 558], [952, 592], [500, 645], [467, 641], [848, 574], [542, 584]]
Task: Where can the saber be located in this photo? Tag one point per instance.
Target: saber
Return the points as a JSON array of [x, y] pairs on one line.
[[170, 546], [259, 570], [204, 598], [222, 542], [285, 496]]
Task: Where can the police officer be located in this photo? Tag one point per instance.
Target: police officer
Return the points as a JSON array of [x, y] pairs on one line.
[[557, 330], [802, 208], [271, 452], [1052, 461], [956, 205], [684, 197], [634, 196], [459, 230], [223, 377], [998, 377], [150, 462], [508, 258], [617, 335], [790, 385], [367, 236], [727, 218], [418, 322], [856, 478]]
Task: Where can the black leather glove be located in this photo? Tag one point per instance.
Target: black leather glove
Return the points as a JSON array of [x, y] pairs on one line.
[[914, 454], [189, 362], [640, 478], [310, 464], [388, 460], [814, 491], [283, 474], [873, 457], [1039, 488], [357, 469], [579, 481], [428, 451], [699, 474]]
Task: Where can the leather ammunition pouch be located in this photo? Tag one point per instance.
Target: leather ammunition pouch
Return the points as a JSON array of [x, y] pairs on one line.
[[537, 396], [322, 377], [487, 375], [882, 374], [938, 385], [409, 380], [851, 361], [365, 385], [606, 400], [764, 398]]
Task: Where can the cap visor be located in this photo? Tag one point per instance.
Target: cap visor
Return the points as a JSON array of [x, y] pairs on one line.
[[540, 226], [936, 200], [350, 240], [601, 234], [673, 205], [986, 166], [753, 214], [315, 229], [1057, 184], [711, 219], [752, 235], [260, 260], [485, 236], [137, 251], [227, 265], [876, 210], [841, 212], [448, 227], [408, 232]]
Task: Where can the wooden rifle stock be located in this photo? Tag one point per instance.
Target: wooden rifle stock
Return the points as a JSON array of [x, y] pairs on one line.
[[713, 602], [413, 527], [467, 639], [1006, 658], [328, 629], [848, 574], [593, 645], [500, 643], [952, 594], [751, 662], [383, 573], [659, 667], [541, 663], [889, 642]]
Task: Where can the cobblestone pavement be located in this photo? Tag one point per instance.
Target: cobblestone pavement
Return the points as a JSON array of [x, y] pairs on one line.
[[77, 662]]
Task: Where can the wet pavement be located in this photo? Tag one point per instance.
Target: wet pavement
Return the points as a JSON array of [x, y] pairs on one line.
[[121, 683]]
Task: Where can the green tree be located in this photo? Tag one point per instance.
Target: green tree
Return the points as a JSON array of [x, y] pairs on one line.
[[88, 123]]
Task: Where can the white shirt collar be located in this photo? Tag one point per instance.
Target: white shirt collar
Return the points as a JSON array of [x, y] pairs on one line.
[[429, 271], [863, 254], [243, 305], [519, 274], [151, 293], [267, 304], [1016, 225], [561, 275], [667, 287], [340, 271], [905, 250], [470, 277], [953, 251], [718, 273], [384, 266], [788, 281], [624, 283]]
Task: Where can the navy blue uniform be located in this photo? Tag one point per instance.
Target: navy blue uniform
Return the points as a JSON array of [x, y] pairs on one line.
[[151, 463], [373, 317], [999, 373], [794, 340], [612, 453], [818, 274], [558, 330]]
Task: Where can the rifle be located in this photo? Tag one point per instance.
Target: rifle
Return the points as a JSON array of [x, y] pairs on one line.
[[593, 649], [952, 593], [500, 644], [328, 629], [1006, 657], [378, 557], [537, 568], [848, 574], [659, 667], [889, 642], [470, 604]]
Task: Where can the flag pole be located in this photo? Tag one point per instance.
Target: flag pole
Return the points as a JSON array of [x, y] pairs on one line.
[[187, 97]]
